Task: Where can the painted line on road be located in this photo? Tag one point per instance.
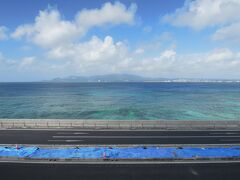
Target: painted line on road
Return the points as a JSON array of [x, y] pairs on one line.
[[142, 137], [67, 140], [76, 133]]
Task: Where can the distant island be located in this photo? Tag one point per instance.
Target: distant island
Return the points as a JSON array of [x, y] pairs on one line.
[[133, 78]]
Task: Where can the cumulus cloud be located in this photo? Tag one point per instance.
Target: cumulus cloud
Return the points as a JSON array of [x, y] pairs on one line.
[[102, 56], [218, 63], [228, 33], [93, 50], [3, 33], [27, 61], [199, 14], [28, 68], [66, 55], [95, 55], [109, 13], [168, 54], [17, 63], [139, 51], [50, 29]]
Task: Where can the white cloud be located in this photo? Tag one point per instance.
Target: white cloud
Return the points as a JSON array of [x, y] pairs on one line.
[[228, 33], [91, 51], [17, 63], [29, 69], [50, 29], [27, 61], [98, 56], [92, 56], [155, 44], [109, 13], [139, 51], [219, 63], [168, 54], [220, 55], [199, 14], [3, 33]]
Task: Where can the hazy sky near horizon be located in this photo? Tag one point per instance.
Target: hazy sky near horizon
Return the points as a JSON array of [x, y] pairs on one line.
[[157, 38]]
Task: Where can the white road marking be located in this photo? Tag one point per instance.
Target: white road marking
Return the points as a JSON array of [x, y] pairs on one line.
[[194, 172], [76, 133], [68, 140], [142, 137]]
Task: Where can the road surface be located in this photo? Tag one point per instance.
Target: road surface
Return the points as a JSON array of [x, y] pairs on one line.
[[117, 137], [206, 171], [24, 170]]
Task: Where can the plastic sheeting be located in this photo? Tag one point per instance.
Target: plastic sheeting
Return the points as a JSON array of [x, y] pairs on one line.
[[122, 152], [17, 152], [208, 152]]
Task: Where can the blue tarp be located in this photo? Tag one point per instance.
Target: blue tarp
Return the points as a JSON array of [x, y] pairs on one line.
[[14, 152], [208, 152], [121, 152]]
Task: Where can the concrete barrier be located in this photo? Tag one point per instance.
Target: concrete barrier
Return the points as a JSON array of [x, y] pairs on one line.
[[119, 124]]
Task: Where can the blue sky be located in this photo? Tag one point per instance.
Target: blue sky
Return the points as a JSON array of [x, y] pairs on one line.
[[177, 39]]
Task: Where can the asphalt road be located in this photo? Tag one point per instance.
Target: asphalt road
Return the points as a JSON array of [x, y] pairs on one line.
[[21, 171], [118, 137]]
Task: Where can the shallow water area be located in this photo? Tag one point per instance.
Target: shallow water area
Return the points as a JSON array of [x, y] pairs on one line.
[[121, 101]]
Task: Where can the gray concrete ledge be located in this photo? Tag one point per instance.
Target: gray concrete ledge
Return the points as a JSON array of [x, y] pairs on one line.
[[121, 161], [56, 146], [117, 124]]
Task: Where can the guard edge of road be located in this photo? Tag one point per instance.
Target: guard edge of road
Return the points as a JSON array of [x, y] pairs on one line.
[[118, 124]]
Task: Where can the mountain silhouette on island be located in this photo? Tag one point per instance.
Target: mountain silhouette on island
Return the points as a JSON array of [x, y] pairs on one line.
[[103, 78], [131, 78]]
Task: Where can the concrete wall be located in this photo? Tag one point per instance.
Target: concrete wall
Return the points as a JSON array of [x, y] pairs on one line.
[[120, 124]]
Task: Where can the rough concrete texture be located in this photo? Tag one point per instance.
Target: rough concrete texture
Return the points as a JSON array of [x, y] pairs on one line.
[[120, 124]]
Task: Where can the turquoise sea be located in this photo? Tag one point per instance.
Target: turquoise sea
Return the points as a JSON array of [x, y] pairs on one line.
[[121, 101]]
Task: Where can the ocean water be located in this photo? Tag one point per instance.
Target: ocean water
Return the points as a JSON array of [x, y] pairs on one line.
[[121, 101]]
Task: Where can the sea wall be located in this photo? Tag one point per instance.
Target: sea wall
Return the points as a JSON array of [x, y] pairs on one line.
[[119, 124]]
